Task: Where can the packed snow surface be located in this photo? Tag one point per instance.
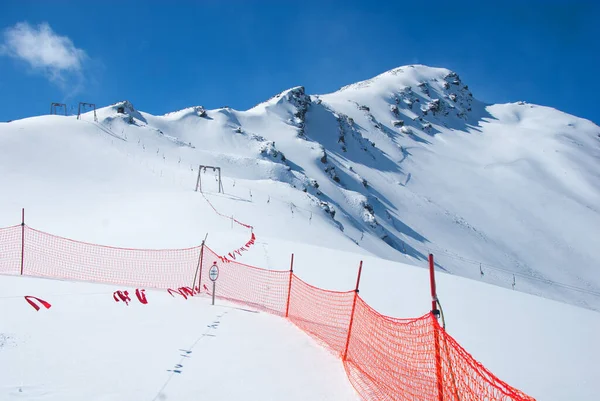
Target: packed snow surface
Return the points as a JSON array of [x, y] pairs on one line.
[[88, 347]]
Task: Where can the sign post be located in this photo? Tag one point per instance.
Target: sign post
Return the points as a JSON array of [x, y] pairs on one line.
[[213, 275]]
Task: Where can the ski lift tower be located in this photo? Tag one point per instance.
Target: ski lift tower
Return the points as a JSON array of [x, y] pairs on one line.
[[55, 106], [202, 169], [84, 104]]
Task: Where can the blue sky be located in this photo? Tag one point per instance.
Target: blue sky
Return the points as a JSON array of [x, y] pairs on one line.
[[164, 56]]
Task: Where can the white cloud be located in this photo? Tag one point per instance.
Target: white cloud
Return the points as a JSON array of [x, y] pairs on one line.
[[54, 55]]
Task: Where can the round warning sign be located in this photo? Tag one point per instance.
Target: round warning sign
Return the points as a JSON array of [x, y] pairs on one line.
[[213, 272]]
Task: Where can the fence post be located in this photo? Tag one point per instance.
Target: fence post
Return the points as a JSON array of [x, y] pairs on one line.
[[199, 180], [287, 308], [221, 189], [434, 308], [199, 268], [435, 313], [352, 313], [22, 239]]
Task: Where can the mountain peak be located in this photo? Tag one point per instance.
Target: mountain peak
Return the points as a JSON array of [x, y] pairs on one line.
[[408, 75], [291, 95], [428, 96]]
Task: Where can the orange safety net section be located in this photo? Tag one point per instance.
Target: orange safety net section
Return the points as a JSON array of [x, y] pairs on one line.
[[260, 288], [397, 359], [47, 255], [391, 359], [323, 314], [465, 379], [10, 250], [387, 358]]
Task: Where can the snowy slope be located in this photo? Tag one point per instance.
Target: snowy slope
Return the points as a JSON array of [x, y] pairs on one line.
[[379, 169], [398, 166], [88, 347], [515, 185]]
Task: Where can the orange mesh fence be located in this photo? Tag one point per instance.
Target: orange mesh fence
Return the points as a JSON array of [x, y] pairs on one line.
[[463, 378], [10, 250], [47, 255], [387, 358], [261, 288], [391, 359], [323, 314], [397, 359]]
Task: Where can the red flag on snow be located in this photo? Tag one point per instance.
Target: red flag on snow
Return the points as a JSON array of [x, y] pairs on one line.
[[141, 296], [121, 296], [177, 291], [29, 298]]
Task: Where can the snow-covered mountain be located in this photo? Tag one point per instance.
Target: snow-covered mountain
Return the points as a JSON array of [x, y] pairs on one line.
[[400, 165], [395, 167]]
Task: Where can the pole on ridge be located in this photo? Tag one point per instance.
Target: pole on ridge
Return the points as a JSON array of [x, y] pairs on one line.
[[287, 308], [22, 238], [352, 313]]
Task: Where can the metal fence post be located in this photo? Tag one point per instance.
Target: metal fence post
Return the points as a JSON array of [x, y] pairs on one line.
[[287, 308], [435, 313], [352, 313], [22, 239], [199, 267]]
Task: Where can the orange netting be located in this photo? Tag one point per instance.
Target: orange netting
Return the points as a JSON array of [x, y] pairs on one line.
[[47, 255], [397, 359], [10, 250], [385, 358], [323, 314], [389, 358], [261, 288], [463, 378]]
